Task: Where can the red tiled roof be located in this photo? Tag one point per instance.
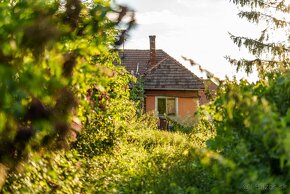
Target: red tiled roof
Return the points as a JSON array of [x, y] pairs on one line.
[[167, 74]]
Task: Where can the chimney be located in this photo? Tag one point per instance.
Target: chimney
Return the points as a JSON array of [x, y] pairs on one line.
[[152, 60]]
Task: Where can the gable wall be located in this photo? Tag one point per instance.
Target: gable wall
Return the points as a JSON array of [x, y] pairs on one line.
[[188, 101], [187, 107]]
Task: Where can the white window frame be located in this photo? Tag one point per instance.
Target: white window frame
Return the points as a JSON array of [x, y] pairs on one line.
[[156, 103]]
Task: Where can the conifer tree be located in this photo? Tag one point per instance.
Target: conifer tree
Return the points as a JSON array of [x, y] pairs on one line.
[[252, 120], [271, 48]]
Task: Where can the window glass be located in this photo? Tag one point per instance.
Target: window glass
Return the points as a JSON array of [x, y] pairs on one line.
[[171, 108], [166, 105], [161, 103]]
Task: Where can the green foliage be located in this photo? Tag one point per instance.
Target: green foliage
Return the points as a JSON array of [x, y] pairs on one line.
[[251, 129], [146, 161], [252, 119], [48, 173], [199, 122], [29, 80], [60, 67], [51, 54], [177, 125], [137, 94], [109, 114]]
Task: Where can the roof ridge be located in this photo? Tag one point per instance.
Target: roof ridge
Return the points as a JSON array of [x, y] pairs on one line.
[[155, 66]]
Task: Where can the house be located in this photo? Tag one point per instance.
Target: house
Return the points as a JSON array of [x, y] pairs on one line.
[[170, 88]]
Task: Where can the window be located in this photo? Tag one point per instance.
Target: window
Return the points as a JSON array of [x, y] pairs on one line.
[[166, 105]]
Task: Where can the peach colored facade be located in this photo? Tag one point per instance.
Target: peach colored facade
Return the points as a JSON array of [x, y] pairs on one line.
[[150, 103], [187, 102], [187, 106]]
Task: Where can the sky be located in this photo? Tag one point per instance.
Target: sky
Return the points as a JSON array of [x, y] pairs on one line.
[[196, 29]]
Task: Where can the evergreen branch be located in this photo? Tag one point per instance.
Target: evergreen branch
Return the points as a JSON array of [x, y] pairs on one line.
[[256, 16], [273, 12], [281, 6], [261, 65], [257, 47], [251, 3], [277, 5], [264, 35]]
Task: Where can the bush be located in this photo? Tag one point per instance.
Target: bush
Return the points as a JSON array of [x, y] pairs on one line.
[[252, 123], [51, 54], [145, 161]]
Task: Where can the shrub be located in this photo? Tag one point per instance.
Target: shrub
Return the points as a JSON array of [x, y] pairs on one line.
[[251, 129], [144, 161], [51, 54]]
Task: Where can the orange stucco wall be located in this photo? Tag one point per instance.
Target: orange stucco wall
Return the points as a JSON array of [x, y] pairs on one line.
[[186, 106], [150, 103]]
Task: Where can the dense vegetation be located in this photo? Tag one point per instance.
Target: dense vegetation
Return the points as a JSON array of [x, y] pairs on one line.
[[57, 75], [69, 124]]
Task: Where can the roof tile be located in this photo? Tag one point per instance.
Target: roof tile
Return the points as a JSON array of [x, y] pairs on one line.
[[167, 74]]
